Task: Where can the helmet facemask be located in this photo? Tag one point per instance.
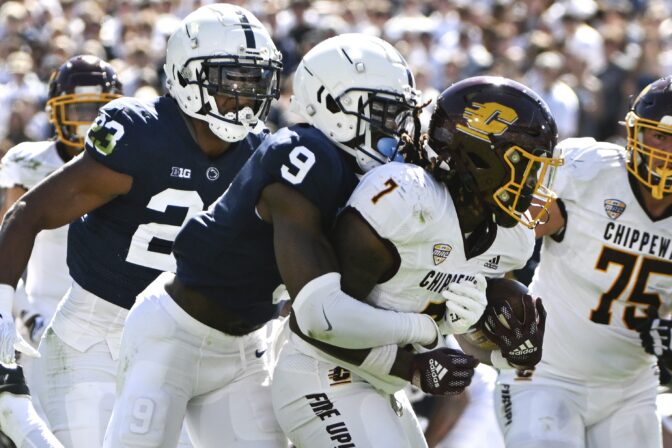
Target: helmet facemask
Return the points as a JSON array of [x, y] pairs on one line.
[[382, 119], [650, 165], [250, 85], [527, 196], [72, 114]]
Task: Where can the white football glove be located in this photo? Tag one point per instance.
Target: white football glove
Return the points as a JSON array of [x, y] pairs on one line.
[[10, 340], [465, 303]]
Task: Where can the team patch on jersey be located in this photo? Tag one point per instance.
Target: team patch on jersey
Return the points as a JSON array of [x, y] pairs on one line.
[[104, 134], [212, 173], [441, 252], [184, 173], [614, 208]]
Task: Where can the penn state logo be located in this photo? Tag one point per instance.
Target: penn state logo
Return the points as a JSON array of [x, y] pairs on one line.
[[212, 173], [440, 252], [614, 208]]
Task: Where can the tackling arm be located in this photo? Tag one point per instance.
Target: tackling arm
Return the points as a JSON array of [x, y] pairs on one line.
[[309, 268]]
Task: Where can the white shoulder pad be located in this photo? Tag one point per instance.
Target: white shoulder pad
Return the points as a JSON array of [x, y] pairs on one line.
[[397, 198], [585, 159], [26, 164]]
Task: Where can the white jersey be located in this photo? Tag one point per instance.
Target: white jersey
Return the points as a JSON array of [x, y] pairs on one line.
[[407, 206], [47, 280], [612, 263]]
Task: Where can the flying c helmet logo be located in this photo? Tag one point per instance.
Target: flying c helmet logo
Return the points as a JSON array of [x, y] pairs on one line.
[[485, 119]]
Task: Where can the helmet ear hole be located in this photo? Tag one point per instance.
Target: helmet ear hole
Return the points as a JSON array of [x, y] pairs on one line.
[[332, 106], [181, 80], [478, 161]]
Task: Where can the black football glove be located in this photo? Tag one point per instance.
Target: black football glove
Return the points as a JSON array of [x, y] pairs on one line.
[[519, 341], [442, 371], [664, 374], [656, 334]]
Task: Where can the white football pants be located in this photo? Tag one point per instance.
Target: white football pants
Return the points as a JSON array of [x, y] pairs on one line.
[[173, 365], [78, 368], [319, 404], [549, 412]]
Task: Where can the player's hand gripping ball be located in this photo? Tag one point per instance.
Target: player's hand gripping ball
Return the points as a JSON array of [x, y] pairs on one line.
[[513, 322]]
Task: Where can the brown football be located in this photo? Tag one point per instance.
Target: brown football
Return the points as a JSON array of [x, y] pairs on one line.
[[499, 290]]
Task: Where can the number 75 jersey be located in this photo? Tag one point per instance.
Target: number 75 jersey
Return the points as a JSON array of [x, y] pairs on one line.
[[612, 263]]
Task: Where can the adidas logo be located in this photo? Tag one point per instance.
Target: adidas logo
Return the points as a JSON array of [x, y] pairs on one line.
[[493, 263], [437, 371], [524, 349]]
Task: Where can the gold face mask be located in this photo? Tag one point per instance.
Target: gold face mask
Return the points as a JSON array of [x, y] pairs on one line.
[[72, 115], [650, 165], [527, 196]]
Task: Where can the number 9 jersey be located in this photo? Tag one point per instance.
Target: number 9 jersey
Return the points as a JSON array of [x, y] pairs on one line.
[[116, 250], [227, 252], [611, 263]]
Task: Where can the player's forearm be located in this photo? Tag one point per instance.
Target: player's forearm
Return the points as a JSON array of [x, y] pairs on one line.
[[326, 313], [17, 236]]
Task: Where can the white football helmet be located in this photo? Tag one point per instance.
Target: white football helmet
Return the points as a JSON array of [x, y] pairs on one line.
[[223, 50], [359, 91]]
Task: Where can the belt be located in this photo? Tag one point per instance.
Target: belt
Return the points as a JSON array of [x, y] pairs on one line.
[[207, 311]]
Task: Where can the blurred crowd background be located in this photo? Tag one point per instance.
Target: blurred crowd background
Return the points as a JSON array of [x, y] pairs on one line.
[[585, 57]]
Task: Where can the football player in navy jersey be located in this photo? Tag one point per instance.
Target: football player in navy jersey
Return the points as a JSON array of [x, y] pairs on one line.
[[147, 167], [194, 342]]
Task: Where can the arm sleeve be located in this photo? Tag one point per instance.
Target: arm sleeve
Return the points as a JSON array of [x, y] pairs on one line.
[[326, 313]]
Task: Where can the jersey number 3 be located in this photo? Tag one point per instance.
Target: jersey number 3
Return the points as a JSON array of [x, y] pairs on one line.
[[639, 296]]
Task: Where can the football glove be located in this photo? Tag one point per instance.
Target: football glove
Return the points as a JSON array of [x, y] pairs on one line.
[[442, 371], [10, 339], [520, 342], [655, 335], [465, 303], [31, 327]]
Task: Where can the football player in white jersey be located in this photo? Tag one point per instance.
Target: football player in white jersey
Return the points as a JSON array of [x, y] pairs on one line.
[[605, 265], [77, 90], [419, 238]]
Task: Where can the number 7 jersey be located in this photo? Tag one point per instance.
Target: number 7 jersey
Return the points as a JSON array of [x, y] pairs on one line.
[[612, 263]]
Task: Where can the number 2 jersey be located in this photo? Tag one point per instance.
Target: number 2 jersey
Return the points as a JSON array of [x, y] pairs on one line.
[[227, 253], [612, 263], [405, 205], [116, 250]]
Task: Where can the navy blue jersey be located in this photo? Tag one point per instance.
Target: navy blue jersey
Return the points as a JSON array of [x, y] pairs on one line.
[[118, 249], [227, 252]]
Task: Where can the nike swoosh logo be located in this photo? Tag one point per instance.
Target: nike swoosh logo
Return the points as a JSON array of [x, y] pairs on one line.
[[329, 327], [259, 353]]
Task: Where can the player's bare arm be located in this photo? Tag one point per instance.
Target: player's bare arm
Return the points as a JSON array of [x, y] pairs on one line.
[[302, 250], [8, 196], [79, 187], [366, 258]]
